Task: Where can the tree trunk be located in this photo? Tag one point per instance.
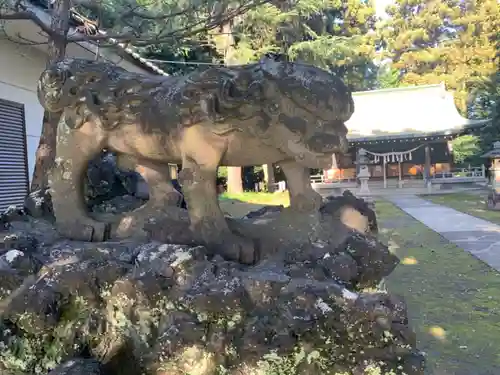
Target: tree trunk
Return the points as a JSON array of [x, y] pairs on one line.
[[46, 151], [269, 179], [226, 44], [234, 180]]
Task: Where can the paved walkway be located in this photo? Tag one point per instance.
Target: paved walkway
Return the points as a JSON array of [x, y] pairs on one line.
[[479, 237]]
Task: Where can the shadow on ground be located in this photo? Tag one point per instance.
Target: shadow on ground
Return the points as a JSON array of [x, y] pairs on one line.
[[238, 205], [453, 298], [470, 203], [237, 209]]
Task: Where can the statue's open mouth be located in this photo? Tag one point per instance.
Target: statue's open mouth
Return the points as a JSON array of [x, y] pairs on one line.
[[327, 143]]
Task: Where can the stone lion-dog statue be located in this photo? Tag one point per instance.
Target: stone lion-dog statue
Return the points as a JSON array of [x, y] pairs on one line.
[[272, 111]]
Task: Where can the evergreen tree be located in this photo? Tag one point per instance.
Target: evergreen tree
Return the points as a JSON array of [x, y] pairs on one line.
[[388, 77], [451, 41], [129, 22], [331, 34], [491, 132]]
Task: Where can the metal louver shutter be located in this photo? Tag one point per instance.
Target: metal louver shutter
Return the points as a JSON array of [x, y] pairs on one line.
[[13, 162]]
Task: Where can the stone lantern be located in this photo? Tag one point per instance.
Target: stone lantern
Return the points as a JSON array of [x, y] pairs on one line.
[[494, 195], [364, 172]]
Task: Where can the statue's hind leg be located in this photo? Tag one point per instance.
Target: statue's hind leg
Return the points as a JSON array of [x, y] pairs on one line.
[[163, 198], [303, 198], [202, 153], [73, 152]]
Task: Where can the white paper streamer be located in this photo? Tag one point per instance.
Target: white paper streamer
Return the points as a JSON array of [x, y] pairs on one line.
[[393, 156]]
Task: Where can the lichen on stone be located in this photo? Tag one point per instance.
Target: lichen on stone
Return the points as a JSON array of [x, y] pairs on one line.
[[165, 309]]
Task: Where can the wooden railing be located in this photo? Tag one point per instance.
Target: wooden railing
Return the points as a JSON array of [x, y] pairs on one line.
[[456, 175], [320, 179], [279, 186]]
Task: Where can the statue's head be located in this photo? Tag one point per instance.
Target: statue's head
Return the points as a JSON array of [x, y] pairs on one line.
[[309, 107], [51, 85], [61, 84], [297, 108]]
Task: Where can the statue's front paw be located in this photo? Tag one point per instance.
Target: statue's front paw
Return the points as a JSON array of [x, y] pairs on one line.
[[236, 248], [84, 229]]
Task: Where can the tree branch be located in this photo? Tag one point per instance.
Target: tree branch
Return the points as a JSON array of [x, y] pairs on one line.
[[30, 16], [209, 23], [201, 26]]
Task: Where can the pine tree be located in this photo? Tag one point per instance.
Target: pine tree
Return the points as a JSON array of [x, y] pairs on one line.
[[331, 34], [450, 41], [388, 77], [167, 23], [491, 133]]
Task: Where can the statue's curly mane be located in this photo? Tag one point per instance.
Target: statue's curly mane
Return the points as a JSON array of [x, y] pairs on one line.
[[109, 93], [115, 96]]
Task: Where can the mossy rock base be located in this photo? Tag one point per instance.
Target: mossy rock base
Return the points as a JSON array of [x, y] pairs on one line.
[[127, 308]]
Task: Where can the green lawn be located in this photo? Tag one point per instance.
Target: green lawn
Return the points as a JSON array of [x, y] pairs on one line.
[[453, 299], [472, 204], [271, 199]]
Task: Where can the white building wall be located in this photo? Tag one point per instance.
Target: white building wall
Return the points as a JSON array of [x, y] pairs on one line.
[[20, 68]]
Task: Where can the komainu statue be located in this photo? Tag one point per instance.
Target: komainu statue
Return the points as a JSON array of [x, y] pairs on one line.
[[272, 111]]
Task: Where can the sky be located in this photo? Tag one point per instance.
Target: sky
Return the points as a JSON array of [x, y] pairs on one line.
[[380, 6]]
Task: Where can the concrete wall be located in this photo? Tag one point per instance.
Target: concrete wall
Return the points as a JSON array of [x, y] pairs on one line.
[[20, 68]]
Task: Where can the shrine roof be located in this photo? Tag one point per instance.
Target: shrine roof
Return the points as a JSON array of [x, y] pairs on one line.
[[407, 112], [491, 154], [495, 153]]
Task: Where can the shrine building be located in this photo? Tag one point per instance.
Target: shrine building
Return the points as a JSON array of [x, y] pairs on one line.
[[406, 132]]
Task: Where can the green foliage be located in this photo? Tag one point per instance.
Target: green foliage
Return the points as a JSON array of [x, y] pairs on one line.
[[388, 77], [185, 51], [177, 32], [487, 105], [465, 148], [331, 34], [222, 172], [451, 41]]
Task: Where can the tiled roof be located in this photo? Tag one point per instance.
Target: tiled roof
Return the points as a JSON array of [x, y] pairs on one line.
[[493, 153], [406, 112]]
